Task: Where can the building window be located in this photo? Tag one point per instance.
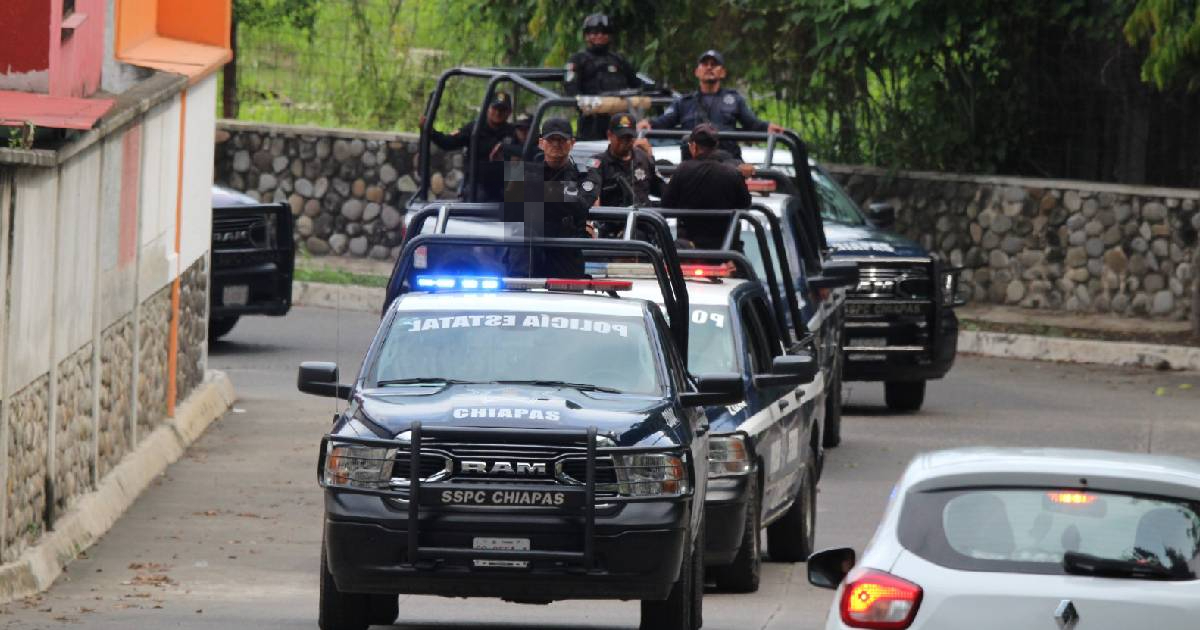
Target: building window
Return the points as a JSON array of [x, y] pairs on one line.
[[68, 7]]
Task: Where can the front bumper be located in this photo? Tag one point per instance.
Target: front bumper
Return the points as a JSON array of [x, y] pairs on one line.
[[911, 352], [638, 549], [725, 505], [268, 290]]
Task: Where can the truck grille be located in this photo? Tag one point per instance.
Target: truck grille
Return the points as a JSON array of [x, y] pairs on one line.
[[895, 282], [505, 463], [241, 232]]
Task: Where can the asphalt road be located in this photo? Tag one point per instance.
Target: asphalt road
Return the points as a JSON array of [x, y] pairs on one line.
[[229, 536]]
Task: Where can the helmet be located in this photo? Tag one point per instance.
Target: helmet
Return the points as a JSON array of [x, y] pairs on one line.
[[597, 22]]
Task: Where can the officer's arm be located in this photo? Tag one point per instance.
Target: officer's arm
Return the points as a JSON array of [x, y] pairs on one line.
[[588, 194], [456, 140], [743, 191], [573, 77], [747, 119], [668, 119]]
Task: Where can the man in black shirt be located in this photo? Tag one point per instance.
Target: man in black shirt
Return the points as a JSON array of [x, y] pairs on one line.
[[551, 199], [493, 136], [597, 70], [628, 175], [704, 183]]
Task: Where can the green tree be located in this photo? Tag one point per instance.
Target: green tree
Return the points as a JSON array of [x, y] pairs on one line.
[[1171, 30]]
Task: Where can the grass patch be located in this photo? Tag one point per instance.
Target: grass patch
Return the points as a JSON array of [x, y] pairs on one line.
[[335, 276]]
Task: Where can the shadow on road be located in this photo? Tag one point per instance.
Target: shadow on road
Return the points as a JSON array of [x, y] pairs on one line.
[[225, 347]]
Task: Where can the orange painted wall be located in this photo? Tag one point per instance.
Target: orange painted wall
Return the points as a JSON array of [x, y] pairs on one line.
[[201, 22], [136, 21]]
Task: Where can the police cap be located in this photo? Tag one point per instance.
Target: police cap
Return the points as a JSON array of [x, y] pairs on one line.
[[705, 135], [623, 125], [523, 121], [501, 100], [560, 127], [711, 54], [597, 22]]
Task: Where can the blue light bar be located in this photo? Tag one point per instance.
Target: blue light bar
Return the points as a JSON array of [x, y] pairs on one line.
[[442, 283]]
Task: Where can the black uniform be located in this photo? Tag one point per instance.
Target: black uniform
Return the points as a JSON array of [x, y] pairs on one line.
[[490, 174], [552, 203], [726, 109], [596, 71], [618, 178], [706, 183]]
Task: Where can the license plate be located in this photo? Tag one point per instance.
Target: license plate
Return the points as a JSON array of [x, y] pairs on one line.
[[885, 308], [499, 497], [501, 544], [235, 295], [868, 342]]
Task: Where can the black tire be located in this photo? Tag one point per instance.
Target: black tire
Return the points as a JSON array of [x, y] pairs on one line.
[[338, 610], [220, 326], [904, 396], [744, 573], [677, 610], [382, 610], [832, 436], [790, 539]]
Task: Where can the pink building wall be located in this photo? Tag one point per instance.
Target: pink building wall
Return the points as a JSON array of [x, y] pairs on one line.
[[76, 56]]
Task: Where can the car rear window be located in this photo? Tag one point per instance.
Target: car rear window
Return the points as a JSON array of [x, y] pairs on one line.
[[1029, 530], [710, 341]]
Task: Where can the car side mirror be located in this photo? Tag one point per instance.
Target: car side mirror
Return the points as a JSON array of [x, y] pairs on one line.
[[882, 214], [835, 274], [828, 567], [713, 390], [320, 378], [790, 369]]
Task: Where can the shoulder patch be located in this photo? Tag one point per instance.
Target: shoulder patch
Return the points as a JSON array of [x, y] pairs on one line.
[[595, 163], [730, 99], [587, 186]]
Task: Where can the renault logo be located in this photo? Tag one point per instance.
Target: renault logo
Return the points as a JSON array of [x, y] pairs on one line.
[[514, 468], [1066, 615]]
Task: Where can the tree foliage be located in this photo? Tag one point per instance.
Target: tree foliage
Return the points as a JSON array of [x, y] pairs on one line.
[[1172, 30]]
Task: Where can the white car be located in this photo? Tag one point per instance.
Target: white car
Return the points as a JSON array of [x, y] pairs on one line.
[[1025, 539]]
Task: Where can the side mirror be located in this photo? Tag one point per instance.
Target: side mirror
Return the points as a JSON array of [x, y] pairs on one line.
[[883, 215], [828, 567], [320, 378], [713, 390], [835, 274], [790, 369]]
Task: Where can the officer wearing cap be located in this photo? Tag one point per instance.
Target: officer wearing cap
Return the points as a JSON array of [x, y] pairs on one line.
[[512, 148], [706, 182], [724, 108], [628, 175], [597, 70], [551, 198], [495, 133]]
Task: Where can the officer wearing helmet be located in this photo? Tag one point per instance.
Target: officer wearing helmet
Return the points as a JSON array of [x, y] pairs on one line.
[[596, 70], [724, 108]]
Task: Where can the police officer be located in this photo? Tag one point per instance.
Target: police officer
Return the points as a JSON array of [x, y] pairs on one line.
[[706, 182], [628, 175], [723, 108], [597, 70], [512, 150], [493, 136], [551, 198]]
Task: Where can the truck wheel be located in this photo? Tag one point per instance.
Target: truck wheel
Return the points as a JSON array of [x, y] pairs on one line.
[[675, 612], [742, 576], [338, 610], [790, 539], [833, 414], [382, 610], [904, 396], [220, 326]]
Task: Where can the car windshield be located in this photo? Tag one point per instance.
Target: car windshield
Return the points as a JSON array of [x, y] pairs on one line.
[[1033, 530], [836, 205], [604, 352], [710, 341]]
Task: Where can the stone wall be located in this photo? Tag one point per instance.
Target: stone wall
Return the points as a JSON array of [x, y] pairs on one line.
[[1074, 246], [347, 189], [154, 323], [116, 394], [74, 466], [28, 415], [193, 328]]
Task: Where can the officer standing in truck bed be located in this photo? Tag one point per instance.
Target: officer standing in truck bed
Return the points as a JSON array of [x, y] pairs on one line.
[[628, 175], [597, 70]]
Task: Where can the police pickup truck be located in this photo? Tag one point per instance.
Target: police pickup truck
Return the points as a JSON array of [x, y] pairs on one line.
[[532, 439], [253, 257]]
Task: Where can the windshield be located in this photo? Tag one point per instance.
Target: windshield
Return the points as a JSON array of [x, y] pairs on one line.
[[710, 341], [1030, 530], [836, 205], [485, 346]]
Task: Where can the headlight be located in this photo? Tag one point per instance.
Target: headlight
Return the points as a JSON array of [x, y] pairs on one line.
[[950, 287], [727, 456], [358, 466], [651, 475]]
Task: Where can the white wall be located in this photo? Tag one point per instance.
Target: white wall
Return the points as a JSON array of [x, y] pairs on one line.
[[32, 275], [159, 183], [117, 282], [78, 224], [196, 235]]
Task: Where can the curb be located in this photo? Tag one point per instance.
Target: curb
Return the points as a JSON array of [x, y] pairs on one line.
[[988, 344], [340, 296], [1038, 348], [97, 511]]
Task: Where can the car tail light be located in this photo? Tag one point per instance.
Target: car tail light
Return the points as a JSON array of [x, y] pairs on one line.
[[874, 599]]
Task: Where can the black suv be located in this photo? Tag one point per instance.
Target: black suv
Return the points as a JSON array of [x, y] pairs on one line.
[[253, 258]]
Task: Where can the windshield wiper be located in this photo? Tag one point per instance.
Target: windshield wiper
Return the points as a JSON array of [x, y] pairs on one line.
[[552, 383], [1087, 564], [422, 380]]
